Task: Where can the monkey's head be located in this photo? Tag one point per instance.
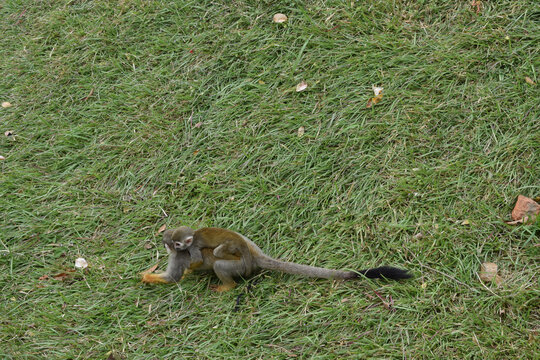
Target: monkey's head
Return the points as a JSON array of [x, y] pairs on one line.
[[178, 239]]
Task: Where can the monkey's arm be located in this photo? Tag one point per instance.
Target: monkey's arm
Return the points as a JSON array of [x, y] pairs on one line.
[[178, 262], [196, 257]]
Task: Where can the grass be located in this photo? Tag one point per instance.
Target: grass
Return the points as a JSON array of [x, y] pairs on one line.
[[106, 97]]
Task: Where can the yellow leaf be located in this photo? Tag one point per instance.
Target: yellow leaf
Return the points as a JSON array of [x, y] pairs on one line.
[[6, 104], [373, 101], [301, 131], [465, 222], [529, 81]]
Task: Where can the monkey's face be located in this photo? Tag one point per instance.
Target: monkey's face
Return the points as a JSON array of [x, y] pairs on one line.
[[178, 239], [183, 243]]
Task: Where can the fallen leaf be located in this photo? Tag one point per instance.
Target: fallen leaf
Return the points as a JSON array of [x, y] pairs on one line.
[[2, 158], [280, 18], [377, 90], [161, 229], [148, 246], [61, 276], [198, 125], [488, 272], [525, 210], [374, 100], [424, 285], [81, 263], [8, 133], [44, 277], [150, 270], [418, 236], [466, 222], [529, 81], [6, 104], [301, 131], [195, 152], [477, 4], [301, 86], [261, 82]]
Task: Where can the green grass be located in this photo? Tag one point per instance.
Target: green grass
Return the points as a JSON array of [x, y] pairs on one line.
[[455, 137]]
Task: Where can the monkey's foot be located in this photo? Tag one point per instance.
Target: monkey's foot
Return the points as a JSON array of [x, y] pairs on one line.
[[195, 265], [186, 272], [154, 279], [222, 288]]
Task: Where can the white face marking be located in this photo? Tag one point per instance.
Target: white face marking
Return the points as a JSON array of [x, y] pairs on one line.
[[168, 249]]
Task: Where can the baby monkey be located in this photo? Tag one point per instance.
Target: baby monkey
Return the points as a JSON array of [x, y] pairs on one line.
[[235, 255]]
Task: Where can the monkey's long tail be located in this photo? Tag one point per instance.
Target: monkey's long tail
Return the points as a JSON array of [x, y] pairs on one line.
[[388, 272]]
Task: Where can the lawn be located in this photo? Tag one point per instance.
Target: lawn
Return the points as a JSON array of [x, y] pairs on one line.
[[129, 115]]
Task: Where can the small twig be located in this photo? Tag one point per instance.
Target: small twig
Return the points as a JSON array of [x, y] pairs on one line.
[[485, 287], [88, 96], [20, 17], [450, 277]]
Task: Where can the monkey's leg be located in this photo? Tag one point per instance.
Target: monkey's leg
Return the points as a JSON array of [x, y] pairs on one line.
[[226, 270], [222, 251]]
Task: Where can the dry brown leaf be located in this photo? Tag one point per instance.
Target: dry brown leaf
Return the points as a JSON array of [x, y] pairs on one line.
[[301, 86], [195, 152], [62, 276], [44, 277], [198, 125], [148, 246], [279, 18], [150, 270], [488, 271], [374, 100], [529, 81], [377, 90], [6, 104], [161, 229], [301, 131], [525, 209]]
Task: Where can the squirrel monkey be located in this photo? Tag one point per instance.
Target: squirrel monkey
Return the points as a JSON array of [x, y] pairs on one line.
[[223, 241], [227, 264]]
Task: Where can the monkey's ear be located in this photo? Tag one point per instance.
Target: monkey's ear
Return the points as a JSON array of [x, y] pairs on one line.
[[189, 240]]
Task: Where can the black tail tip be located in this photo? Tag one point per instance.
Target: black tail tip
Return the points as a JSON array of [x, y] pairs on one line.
[[387, 272]]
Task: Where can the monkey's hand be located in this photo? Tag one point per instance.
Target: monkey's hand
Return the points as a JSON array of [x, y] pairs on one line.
[[156, 279], [186, 272]]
